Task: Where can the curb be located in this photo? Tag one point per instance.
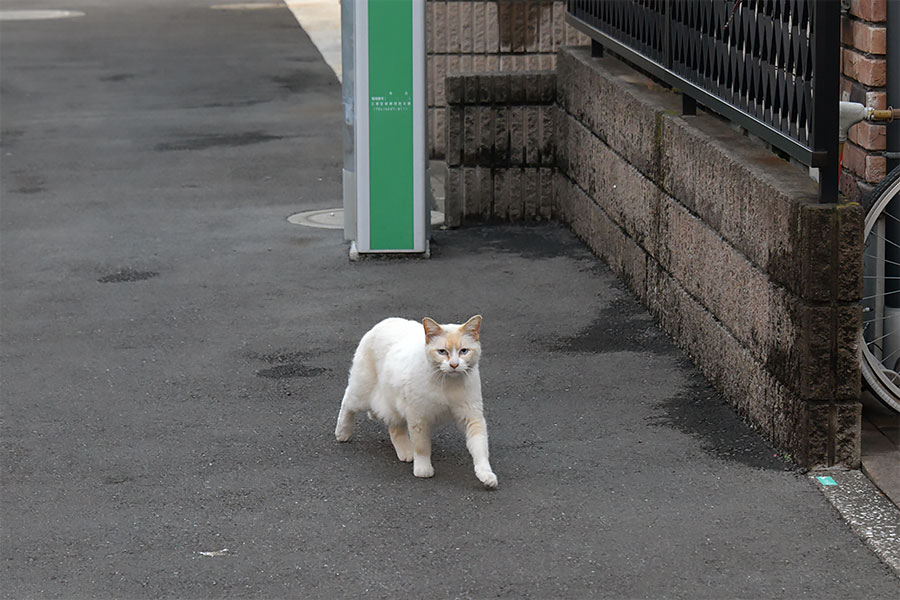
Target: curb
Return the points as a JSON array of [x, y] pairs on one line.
[[870, 514]]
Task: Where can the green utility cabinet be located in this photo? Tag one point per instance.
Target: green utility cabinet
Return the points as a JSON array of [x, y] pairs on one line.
[[385, 160]]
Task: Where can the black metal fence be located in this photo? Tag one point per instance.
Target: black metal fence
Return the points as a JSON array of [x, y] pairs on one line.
[[772, 66]]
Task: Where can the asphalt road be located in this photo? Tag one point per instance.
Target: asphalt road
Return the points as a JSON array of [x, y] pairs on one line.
[[174, 354]]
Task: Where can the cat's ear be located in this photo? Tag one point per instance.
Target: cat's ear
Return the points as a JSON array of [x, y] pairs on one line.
[[472, 326], [432, 329]]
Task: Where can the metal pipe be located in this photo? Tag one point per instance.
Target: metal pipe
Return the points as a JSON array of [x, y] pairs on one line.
[[892, 232], [893, 76]]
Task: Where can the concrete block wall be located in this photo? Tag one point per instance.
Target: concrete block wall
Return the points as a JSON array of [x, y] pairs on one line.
[[500, 155], [723, 241], [727, 246], [488, 36]]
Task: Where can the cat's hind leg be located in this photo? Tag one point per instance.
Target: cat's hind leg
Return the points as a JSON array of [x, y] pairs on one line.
[[356, 399], [357, 396], [400, 440], [345, 423]]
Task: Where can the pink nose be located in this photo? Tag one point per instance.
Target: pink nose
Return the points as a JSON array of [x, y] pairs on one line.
[[453, 364]]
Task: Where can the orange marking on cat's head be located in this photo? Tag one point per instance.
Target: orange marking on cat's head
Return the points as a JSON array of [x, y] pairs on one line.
[[472, 326], [445, 342], [432, 329]]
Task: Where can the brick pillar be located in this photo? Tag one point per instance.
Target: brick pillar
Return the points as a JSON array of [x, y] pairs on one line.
[[864, 70]]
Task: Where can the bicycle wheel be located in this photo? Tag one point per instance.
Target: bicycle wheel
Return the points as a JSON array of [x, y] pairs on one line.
[[880, 347]]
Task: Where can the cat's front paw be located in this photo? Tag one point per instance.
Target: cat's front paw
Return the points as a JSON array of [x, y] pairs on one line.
[[487, 477], [425, 471]]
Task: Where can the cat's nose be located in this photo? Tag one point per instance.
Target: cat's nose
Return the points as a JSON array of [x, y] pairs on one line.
[[454, 364]]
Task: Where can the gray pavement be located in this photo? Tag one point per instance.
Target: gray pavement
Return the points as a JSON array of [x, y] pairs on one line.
[[174, 354]]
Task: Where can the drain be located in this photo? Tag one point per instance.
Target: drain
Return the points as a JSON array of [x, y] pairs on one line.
[[333, 218]]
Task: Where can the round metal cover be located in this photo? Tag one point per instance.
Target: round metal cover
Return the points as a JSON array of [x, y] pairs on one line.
[[247, 6], [333, 218], [38, 15]]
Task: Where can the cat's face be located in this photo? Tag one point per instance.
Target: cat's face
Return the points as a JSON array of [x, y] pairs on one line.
[[453, 349]]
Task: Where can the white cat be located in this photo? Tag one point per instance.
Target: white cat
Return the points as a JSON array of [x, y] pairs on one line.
[[414, 375]]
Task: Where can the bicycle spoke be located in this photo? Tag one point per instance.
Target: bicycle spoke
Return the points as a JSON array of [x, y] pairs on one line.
[[886, 241], [889, 356], [887, 214], [879, 319], [878, 339], [886, 261], [884, 294], [887, 318]]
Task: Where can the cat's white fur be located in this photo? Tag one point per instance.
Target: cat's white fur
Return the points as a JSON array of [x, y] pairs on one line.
[[413, 376]]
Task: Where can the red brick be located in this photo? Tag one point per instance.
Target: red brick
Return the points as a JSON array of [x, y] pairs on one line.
[[869, 38], [849, 186], [846, 31], [854, 159], [870, 10], [846, 88], [864, 69], [869, 167], [876, 168], [869, 135], [876, 99]]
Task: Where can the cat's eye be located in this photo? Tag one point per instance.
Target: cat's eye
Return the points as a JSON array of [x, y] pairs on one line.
[[463, 351], [442, 352]]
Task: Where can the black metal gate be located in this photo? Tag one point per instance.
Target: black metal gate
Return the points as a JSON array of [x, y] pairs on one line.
[[771, 66]]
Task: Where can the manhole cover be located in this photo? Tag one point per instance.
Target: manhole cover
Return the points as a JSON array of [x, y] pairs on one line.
[[333, 218], [38, 15], [247, 6], [330, 218]]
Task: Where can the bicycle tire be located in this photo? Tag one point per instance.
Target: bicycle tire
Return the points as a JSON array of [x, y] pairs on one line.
[[879, 361]]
